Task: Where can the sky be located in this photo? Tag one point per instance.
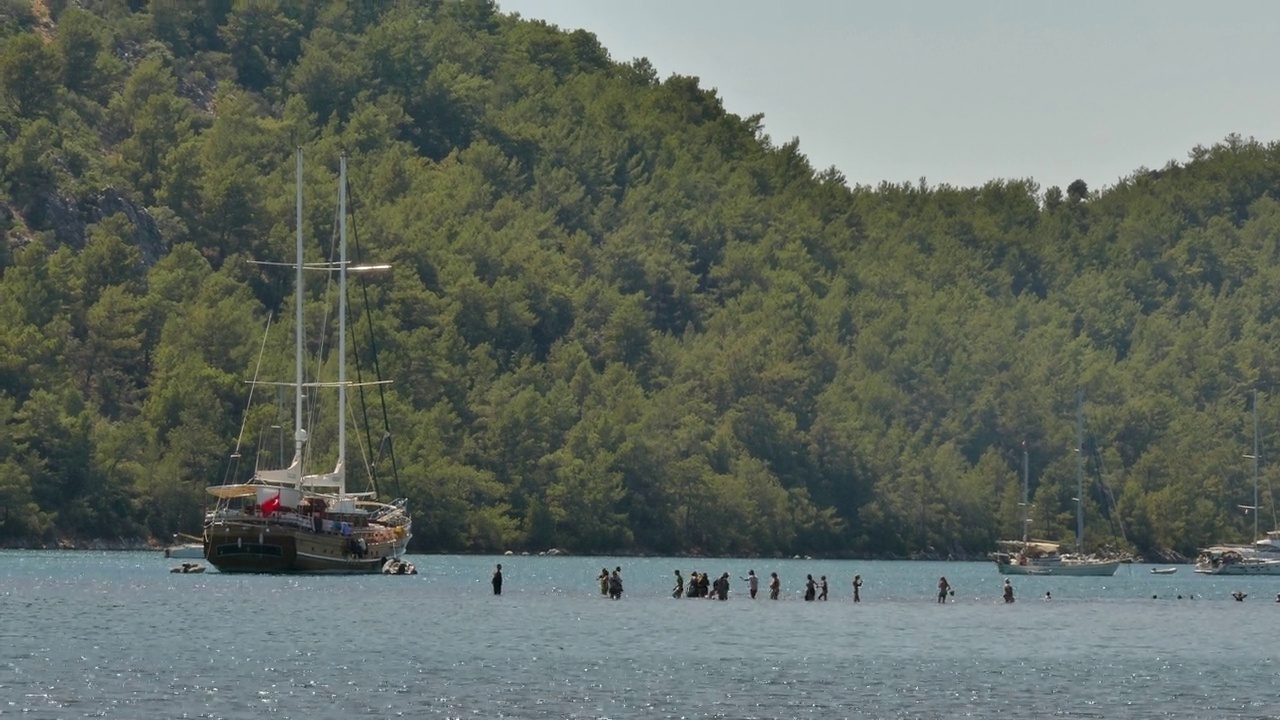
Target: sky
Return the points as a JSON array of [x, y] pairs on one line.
[[963, 93]]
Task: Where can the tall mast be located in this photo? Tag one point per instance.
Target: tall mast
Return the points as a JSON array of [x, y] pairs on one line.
[[1026, 506], [1256, 508], [1079, 470], [342, 325], [299, 435]]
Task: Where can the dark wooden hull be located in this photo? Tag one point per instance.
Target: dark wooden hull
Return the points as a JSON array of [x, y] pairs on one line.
[[269, 548]]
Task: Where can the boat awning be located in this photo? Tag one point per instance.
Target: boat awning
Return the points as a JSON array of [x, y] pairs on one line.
[[1042, 546], [226, 492]]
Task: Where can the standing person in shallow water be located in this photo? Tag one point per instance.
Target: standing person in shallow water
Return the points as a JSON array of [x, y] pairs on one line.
[[497, 580], [1008, 591], [615, 584], [775, 587], [944, 587], [857, 585], [704, 585], [603, 579], [692, 590], [810, 588], [753, 583], [822, 594], [678, 590]]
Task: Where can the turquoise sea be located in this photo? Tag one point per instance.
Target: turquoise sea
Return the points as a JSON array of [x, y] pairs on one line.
[[115, 635]]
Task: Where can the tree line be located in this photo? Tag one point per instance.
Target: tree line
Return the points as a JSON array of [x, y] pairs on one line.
[[620, 318]]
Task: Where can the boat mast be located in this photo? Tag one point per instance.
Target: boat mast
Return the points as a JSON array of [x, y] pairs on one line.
[[1256, 508], [342, 325], [1079, 470], [299, 435], [1026, 507]]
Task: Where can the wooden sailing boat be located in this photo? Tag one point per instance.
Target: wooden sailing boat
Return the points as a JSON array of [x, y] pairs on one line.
[[1040, 557], [285, 520]]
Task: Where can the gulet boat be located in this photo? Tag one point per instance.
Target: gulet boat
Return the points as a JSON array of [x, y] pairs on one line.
[[290, 520]]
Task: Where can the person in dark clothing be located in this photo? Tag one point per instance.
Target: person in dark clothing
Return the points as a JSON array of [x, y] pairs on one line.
[[722, 587], [678, 590], [857, 585], [704, 585], [775, 586], [615, 584], [694, 579], [497, 580], [944, 587], [1008, 591], [810, 588]]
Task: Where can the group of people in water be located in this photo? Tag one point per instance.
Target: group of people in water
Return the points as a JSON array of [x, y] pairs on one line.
[[701, 585], [611, 582]]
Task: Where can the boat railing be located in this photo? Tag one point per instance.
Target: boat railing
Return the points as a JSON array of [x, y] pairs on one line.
[[310, 523]]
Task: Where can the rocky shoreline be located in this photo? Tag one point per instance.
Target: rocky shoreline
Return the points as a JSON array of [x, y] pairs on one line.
[[81, 544]]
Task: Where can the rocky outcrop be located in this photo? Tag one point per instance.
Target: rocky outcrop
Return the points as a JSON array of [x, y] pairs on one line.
[[146, 234], [69, 219]]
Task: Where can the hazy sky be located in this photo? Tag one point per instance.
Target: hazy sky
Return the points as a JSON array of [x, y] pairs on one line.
[[964, 92]]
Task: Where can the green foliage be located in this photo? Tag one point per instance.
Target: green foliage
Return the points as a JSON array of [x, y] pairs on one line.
[[620, 318], [29, 74]]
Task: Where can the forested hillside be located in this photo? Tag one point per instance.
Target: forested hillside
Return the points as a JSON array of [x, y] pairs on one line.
[[620, 318]]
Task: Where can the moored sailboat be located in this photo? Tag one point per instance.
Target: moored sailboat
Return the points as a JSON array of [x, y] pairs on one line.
[[287, 520], [1041, 557], [1260, 558]]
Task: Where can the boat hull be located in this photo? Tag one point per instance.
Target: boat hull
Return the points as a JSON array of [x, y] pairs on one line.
[[185, 551], [1264, 567], [247, 548], [1105, 568]]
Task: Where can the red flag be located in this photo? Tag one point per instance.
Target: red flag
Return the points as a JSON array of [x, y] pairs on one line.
[[271, 505]]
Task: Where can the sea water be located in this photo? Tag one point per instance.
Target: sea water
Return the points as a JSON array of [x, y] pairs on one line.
[[116, 635]]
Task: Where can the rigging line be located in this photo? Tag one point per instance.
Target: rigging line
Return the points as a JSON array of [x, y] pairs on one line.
[[278, 426], [234, 466], [377, 369], [364, 454], [372, 467], [1262, 460], [1113, 515], [360, 369]]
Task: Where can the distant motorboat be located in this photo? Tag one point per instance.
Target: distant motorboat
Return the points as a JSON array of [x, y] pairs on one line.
[[185, 547], [188, 568], [1164, 571], [399, 566]]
